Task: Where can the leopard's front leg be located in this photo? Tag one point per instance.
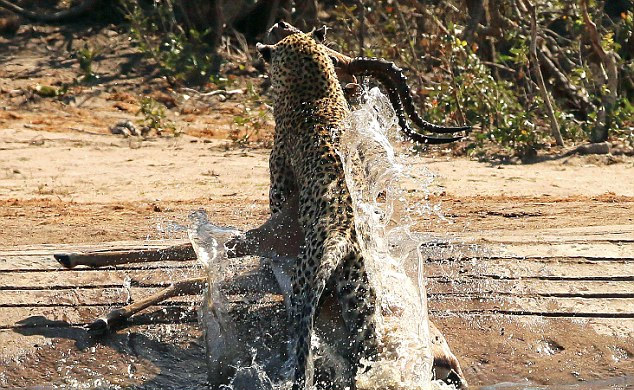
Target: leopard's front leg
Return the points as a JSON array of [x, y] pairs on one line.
[[281, 234]]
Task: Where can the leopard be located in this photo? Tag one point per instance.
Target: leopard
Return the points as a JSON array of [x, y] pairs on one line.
[[312, 219], [310, 108]]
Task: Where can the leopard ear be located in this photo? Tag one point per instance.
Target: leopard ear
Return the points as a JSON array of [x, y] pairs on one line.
[[319, 34], [265, 51]]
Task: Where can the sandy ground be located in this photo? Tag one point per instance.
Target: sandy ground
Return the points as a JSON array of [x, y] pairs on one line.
[[65, 179], [61, 181]]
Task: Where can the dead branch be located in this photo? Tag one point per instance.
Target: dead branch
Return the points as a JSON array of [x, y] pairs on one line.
[[518, 8], [554, 126], [213, 93], [424, 9], [596, 148], [361, 28], [455, 93], [608, 60], [410, 41], [550, 57], [555, 35], [499, 66], [405, 27], [498, 23], [574, 94], [554, 47], [56, 17]]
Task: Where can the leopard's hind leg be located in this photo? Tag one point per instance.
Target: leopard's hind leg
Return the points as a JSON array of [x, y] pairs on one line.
[[357, 299], [317, 264]]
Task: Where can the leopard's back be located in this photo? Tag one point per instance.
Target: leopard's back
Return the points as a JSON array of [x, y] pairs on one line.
[[310, 109]]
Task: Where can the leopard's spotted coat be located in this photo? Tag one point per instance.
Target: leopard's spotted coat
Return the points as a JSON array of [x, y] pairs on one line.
[[309, 110]]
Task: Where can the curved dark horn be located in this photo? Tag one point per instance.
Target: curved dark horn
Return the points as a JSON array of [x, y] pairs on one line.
[[392, 77], [56, 17], [402, 122]]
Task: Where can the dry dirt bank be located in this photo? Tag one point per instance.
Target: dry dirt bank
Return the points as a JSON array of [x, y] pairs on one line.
[[65, 180]]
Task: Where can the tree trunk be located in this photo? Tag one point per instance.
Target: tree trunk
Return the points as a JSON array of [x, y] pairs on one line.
[[537, 71]]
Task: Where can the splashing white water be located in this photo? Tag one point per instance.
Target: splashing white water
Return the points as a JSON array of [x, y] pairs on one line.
[[208, 241], [375, 175], [383, 216]]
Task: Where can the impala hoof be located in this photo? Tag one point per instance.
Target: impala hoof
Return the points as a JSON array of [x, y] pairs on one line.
[[99, 327], [105, 324], [64, 260]]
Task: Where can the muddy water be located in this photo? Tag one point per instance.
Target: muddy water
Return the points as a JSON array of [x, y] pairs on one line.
[[619, 383]]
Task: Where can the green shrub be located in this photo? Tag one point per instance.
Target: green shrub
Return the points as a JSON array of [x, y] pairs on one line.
[[154, 118], [183, 56], [490, 104]]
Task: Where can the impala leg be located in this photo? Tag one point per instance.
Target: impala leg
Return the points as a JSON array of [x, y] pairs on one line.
[[280, 236], [446, 366], [104, 258], [119, 316]]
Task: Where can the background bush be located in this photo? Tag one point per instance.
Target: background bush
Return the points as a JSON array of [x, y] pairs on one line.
[[468, 61]]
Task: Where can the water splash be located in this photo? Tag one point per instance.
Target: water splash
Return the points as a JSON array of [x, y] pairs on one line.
[[232, 363], [209, 241], [375, 175]]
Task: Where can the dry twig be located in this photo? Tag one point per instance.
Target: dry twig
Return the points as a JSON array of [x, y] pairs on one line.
[[554, 126]]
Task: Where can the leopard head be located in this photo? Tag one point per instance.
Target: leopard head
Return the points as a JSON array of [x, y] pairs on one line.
[[301, 71]]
